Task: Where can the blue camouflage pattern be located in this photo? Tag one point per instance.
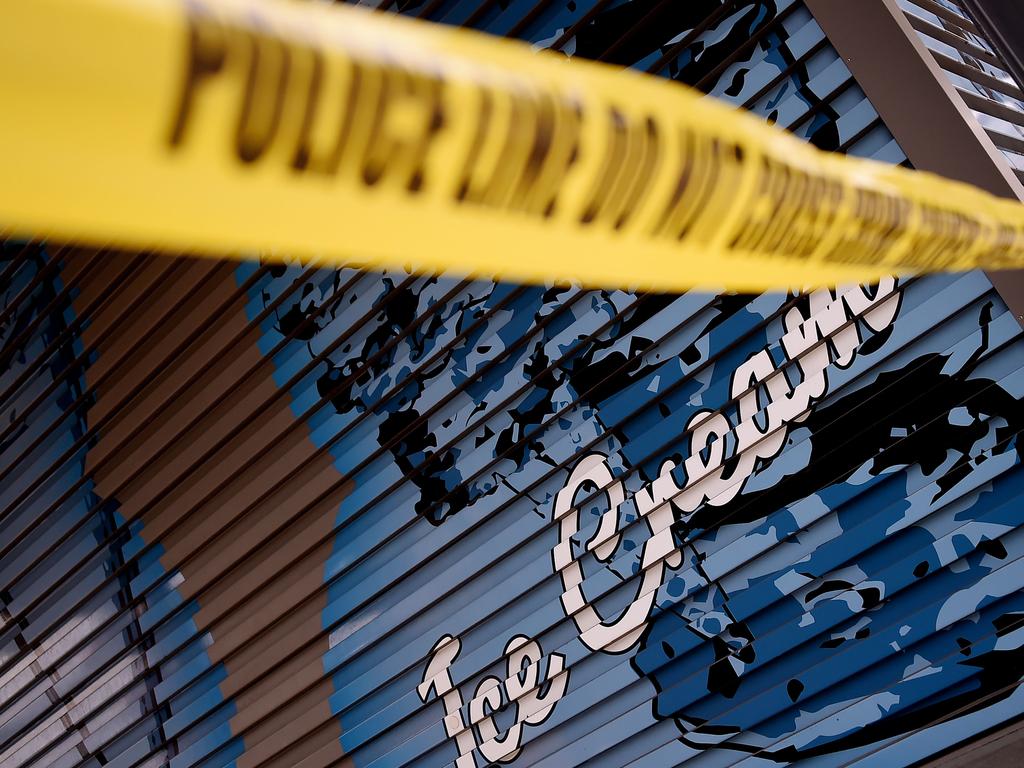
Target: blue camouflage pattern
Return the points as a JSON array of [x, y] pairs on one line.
[[856, 601], [43, 417], [861, 586]]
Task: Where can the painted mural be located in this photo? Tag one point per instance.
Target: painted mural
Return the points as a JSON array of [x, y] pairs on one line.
[[449, 522], [64, 543], [732, 499]]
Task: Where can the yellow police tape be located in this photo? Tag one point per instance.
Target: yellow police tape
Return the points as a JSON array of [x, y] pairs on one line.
[[235, 126]]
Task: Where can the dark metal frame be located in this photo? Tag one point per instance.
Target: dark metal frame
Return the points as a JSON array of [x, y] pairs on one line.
[[924, 112], [1002, 21]]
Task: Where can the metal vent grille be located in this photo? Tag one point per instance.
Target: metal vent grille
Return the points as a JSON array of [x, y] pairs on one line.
[[976, 71]]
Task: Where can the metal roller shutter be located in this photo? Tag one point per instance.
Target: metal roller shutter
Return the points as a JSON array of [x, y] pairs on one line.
[[244, 505]]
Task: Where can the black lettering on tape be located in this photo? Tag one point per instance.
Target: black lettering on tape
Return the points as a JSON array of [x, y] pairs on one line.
[[560, 157], [614, 154], [669, 211], [431, 89], [265, 88], [518, 139], [483, 125], [410, 112], [706, 168], [314, 92], [537, 157], [638, 175], [207, 51]]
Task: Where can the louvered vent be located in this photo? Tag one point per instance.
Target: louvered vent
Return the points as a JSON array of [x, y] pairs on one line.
[[976, 71]]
